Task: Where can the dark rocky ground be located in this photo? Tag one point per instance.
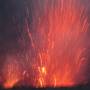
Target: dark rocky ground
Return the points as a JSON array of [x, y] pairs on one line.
[[85, 87]]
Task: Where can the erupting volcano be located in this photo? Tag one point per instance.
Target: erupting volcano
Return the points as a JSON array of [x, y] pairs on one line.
[[55, 55]]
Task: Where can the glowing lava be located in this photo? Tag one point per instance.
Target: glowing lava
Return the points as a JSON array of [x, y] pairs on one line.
[[11, 73], [55, 56], [58, 42]]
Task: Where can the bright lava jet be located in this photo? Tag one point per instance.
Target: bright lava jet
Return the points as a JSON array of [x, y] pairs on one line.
[[55, 55]]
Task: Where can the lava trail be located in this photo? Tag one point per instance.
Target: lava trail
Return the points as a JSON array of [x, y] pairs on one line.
[[58, 43], [56, 50]]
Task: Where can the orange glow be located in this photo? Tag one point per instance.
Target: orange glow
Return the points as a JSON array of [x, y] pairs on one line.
[[64, 80], [42, 75], [42, 70], [10, 83], [55, 57], [11, 73], [58, 43]]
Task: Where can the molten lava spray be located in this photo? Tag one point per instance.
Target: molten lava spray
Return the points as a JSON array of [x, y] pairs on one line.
[[11, 72], [55, 56], [58, 43]]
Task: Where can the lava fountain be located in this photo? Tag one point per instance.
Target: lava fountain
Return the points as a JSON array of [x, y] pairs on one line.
[[58, 43], [56, 34], [11, 72]]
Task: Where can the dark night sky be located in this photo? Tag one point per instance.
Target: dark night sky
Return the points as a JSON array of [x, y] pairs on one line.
[[12, 13]]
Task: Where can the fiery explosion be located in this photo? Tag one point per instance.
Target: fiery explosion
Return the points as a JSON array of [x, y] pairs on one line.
[[55, 57], [11, 72]]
